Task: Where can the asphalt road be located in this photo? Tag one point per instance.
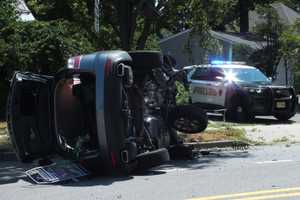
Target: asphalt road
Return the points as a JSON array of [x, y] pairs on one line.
[[261, 168]]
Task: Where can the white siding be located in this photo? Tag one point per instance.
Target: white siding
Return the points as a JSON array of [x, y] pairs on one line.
[[23, 11]]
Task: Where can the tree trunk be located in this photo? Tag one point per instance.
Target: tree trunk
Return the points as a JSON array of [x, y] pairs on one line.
[[125, 10], [144, 36], [286, 71], [244, 15]]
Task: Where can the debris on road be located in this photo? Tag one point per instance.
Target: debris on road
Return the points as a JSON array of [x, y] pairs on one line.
[[278, 133], [234, 144], [55, 173]]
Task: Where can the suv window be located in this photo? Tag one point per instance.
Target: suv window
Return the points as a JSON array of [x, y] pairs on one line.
[[201, 74], [216, 74], [208, 74]]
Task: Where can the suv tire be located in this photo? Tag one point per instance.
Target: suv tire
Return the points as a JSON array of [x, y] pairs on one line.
[[181, 116], [151, 159]]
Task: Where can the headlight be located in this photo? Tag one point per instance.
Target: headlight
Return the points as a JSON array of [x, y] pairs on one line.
[[282, 93], [254, 90], [285, 92]]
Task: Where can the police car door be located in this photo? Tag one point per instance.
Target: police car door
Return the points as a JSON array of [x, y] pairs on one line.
[[207, 86]]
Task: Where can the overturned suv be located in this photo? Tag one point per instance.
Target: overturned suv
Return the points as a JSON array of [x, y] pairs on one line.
[[110, 110], [243, 91]]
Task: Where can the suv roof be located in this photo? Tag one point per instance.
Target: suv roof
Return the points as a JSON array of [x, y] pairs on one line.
[[227, 66]]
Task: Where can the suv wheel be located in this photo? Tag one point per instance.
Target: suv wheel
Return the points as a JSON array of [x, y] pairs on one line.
[[151, 159], [188, 119]]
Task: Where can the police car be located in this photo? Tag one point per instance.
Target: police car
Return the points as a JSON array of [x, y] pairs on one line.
[[242, 91]]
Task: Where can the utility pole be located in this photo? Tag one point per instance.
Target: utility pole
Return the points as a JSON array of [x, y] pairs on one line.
[[97, 14], [286, 71]]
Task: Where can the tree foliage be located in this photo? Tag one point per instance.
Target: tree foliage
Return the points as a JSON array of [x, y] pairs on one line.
[[289, 42], [41, 46], [269, 32], [7, 13], [281, 41]]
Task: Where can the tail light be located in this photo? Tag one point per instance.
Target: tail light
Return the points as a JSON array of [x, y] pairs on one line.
[[74, 62], [107, 67]]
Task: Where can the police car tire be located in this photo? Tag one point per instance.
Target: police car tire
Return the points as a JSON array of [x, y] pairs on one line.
[[191, 113], [283, 117], [233, 115]]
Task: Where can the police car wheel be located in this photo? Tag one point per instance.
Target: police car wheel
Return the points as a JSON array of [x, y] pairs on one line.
[[241, 113], [238, 113]]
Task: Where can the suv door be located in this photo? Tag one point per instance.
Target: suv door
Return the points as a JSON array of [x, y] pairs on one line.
[[29, 116], [207, 86]]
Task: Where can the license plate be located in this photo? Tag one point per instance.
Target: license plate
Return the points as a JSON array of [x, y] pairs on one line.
[[280, 104]]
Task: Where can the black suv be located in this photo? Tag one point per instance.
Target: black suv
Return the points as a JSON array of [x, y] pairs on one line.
[[244, 91]]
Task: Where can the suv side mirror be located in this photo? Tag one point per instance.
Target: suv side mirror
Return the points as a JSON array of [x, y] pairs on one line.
[[272, 78]]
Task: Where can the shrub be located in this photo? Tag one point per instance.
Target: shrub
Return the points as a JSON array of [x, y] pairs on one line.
[[41, 46]]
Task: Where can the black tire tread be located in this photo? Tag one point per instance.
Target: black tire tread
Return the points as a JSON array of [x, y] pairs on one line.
[[151, 159], [189, 111]]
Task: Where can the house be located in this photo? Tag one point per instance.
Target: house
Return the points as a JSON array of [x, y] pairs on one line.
[[177, 46], [285, 14], [23, 12], [233, 46]]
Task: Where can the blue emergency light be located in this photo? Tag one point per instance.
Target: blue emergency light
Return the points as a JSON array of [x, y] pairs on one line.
[[221, 62]]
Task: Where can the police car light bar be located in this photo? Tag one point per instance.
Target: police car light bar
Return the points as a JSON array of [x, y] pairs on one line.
[[220, 62]]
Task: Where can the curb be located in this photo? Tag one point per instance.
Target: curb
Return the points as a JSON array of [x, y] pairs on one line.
[[219, 144]]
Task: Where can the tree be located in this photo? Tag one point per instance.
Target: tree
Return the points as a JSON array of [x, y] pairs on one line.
[[269, 33], [7, 13], [289, 49], [290, 44], [7, 16], [120, 18], [280, 41], [41, 47]]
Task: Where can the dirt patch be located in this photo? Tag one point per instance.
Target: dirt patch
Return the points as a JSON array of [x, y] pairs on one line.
[[221, 134]]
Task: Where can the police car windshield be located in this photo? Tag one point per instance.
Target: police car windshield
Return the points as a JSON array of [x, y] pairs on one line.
[[249, 75]]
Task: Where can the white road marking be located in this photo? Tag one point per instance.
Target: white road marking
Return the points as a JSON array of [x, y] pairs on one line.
[[273, 161], [173, 170]]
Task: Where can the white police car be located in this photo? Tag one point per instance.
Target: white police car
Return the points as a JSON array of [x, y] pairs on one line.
[[244, 91]]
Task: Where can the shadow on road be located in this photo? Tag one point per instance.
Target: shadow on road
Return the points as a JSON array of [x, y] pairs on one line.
[[262, 120], [13, 171], [212, 159]]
